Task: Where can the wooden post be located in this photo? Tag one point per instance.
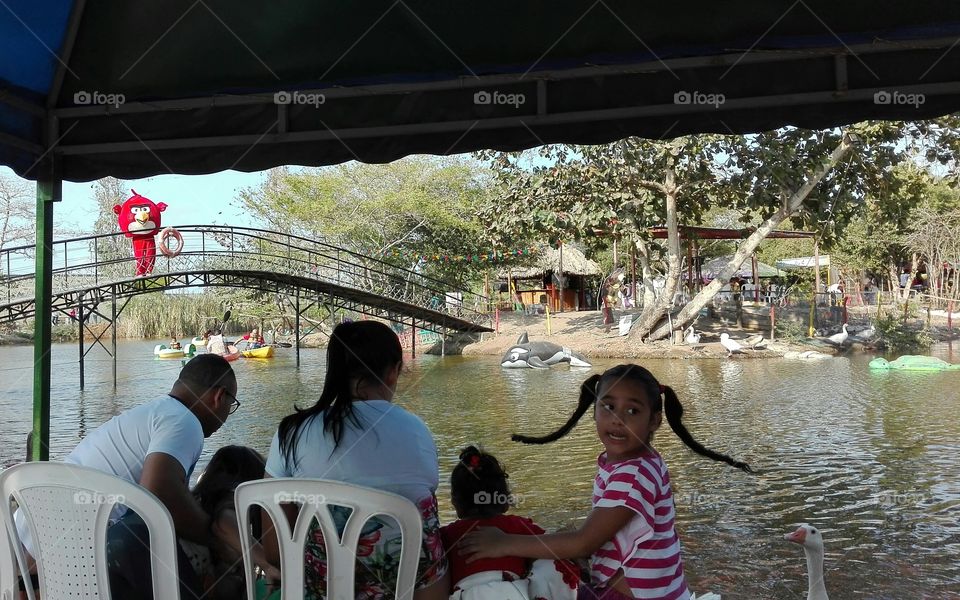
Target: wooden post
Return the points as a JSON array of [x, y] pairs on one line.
[[756, 277], [816, 269], [496, 320], [560, 278], [690, 268], [950, 317], [413, 338], [296, 327], [614, 252]]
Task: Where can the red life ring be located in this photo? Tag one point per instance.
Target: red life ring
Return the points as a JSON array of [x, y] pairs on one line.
[[170, 232]]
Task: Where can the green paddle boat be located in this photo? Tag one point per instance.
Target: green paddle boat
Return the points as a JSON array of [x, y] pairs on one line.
[[913, 363]]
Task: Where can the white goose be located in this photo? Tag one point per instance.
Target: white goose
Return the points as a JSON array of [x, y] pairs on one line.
[[692, 336], [731, 346], [839, 338], [812, 541]]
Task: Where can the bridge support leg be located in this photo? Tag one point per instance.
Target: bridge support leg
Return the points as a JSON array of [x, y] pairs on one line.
[[413, 338], [80, 343], [443, 342], [49, 190], [113, 333], [296, 331]]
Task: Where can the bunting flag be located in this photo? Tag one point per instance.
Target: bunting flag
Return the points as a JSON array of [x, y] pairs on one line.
[[495, 256]]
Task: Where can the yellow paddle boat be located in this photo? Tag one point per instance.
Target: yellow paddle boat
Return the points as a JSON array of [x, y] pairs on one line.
[[261, 352]]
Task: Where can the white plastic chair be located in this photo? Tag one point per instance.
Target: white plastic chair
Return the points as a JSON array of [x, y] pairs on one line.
[[315, 496], [8, 568], [67, 509]]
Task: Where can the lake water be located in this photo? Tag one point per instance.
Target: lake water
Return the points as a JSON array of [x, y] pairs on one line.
[[870, 458]]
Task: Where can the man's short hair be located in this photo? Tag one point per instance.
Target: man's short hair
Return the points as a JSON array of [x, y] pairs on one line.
[[208, 371]]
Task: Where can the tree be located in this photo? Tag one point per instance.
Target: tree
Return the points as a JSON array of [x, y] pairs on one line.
[[768, 178], [17, 211], [411, 213], [611, 191], [113, 253]]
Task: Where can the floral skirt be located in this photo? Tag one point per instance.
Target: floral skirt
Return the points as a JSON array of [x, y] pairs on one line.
[[378, 554]]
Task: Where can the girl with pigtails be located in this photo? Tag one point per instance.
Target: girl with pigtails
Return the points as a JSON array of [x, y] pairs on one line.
[[629, 534]]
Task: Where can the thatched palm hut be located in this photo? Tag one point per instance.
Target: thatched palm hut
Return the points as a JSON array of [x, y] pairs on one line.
[[540, 284]]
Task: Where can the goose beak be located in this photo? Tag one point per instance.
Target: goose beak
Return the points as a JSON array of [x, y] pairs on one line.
[[799, 536]]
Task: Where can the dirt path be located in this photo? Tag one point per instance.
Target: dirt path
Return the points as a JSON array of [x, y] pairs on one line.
[[583, 332]]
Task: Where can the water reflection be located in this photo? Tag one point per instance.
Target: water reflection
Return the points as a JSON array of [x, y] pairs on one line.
[[871, 458]]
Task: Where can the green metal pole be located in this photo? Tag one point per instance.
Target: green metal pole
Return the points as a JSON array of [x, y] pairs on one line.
[[49, 190]]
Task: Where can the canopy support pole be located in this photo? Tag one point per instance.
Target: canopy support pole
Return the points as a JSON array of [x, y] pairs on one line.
[[80, 342], [49, 190]]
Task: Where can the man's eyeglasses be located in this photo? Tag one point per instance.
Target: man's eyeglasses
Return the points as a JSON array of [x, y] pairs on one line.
[[234, 403]]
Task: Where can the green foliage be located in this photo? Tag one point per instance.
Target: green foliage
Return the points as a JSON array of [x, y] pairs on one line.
[[788, 330], [899, 338], [419, 206]]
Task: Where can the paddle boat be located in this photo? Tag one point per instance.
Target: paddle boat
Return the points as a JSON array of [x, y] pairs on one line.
[[162, 351], [913, 363], [261, 352], [199, 342]]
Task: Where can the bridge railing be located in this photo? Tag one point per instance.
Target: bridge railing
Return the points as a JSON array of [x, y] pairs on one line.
[[92, 261]]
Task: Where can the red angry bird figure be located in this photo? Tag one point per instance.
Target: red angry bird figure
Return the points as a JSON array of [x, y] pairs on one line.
[[139, 219]]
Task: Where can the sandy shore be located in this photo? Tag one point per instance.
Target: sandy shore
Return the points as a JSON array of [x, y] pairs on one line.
[[583, 332]]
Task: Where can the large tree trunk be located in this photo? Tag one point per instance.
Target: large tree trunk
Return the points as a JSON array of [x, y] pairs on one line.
[[914, 267], [646, 273], [749, 245], [649, 318]]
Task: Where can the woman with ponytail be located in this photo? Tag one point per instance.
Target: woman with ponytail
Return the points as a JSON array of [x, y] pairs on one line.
[[629, 535], [356, 434]]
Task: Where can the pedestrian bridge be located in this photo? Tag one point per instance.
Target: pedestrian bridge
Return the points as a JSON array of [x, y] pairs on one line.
[[91, 270]]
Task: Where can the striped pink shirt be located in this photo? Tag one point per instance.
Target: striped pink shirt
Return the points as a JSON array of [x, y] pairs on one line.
[[647, 549]]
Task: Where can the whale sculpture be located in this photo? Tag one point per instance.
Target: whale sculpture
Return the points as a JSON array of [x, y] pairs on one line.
[[539, 355]]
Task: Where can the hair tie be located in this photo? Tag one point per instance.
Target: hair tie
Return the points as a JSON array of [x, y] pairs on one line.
[[474, 462]]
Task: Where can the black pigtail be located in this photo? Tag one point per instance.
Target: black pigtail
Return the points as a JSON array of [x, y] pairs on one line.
[[674, 414], [588, 394]]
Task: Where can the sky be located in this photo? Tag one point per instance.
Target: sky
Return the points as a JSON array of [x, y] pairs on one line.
[[191, 199]]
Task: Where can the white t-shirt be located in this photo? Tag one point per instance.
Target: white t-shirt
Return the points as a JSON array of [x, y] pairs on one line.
[[392, 450], [121, 445]]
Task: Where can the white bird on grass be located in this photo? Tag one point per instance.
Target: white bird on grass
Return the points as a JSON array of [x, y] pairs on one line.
[[692, 336], [839, 338], [812, 541], [731, 346]]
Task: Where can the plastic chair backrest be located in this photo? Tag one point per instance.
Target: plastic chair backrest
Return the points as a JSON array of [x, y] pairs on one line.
[[67, 510], [314, 497], [8, 568]]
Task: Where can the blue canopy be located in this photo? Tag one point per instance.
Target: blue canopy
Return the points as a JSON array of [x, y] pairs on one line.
[[133, 89]]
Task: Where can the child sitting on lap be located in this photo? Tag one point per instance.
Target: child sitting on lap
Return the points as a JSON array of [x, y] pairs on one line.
[[222, 571], [481, 497]]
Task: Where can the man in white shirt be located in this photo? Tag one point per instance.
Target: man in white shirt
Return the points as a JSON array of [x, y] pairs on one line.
[[156, 445]]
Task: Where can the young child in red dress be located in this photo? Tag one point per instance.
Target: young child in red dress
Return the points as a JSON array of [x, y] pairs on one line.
[[481, 497]]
